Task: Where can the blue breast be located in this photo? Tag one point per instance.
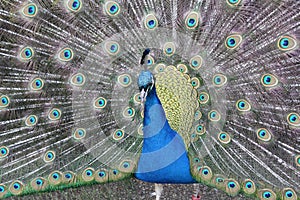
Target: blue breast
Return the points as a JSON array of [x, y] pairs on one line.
[[164, 158]]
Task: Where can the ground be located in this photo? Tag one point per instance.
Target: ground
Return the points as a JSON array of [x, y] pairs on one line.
[[130, 190]]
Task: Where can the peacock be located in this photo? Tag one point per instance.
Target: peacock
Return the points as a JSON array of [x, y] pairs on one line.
[[164, 91]]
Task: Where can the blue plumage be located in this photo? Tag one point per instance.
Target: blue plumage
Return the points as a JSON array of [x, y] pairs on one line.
[[164, 158]]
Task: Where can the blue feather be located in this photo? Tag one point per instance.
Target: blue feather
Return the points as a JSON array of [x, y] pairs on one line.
[[164, 158]]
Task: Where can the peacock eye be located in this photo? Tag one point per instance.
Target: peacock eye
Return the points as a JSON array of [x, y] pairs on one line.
[[150, 60], [243, 105], [100, 103], [159, 68], [268, 80], [118, 134], [78, 79], [30, 10], [286, 43], [140, 130], [4, 151], [128, 112], [196, 62], [214, 115], [67, 177], [267, 195], [150, 22], [200, 129], [231, 184], [233, 41], [79, 133], [88, 174], [137, 98], [49, 156], [198, 115], [16, 187], [289, 194], [203, 98], [38, 183], [112, 8], [74, 5], [55, 177], [293, 119], [37, 84], [26, 54], [112, 48], [124, 80], [219, 180], [233, 2], [219, 80], [2, 189], [4, 101], [232, 187], [54, 114], [205, 173], [102, 174], [182, 68], [169, 49], [195, 82], [31, 120], [65, 54], [192, 20], [224, 138], [249, 185], [264, 135]]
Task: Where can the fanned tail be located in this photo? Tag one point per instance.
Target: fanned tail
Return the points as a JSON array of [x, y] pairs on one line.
[[70, 109]]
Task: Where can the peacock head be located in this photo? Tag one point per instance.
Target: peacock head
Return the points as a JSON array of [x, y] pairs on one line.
[[145, 83]]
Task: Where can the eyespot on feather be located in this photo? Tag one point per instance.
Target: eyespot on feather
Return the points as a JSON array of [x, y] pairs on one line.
[[233, 41], [26, 54], [4, 101], [4, 152], [192, 20], [249, 187], [196, 62], [29, 10], [112, 8], [74, 5], [150, 22], [169, 49], [55, 177], [88, 174], [16, 187], [65, 54], [31, 120], [49, 156], [286, 43]]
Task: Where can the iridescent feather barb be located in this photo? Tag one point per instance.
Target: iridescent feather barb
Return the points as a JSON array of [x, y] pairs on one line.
[[219, 82]]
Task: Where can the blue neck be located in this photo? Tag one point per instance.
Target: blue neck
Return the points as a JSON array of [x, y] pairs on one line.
[[164, 158]]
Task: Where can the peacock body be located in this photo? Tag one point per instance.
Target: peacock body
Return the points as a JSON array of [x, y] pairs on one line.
[[164, 91]]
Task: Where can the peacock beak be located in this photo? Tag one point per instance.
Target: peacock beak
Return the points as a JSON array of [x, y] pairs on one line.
[[143, 95]]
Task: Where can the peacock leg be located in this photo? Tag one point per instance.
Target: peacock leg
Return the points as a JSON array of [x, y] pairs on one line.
[[196, 194], [158, 190]]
